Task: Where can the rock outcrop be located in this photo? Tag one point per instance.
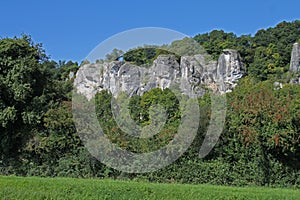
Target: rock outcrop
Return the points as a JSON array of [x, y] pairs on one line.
[[295, 59], [192, 75], [295, 64], [230, 68]]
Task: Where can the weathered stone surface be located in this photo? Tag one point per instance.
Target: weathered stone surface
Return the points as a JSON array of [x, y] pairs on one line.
[[191, 75], [277, 85], [87, 81], [163, 73], [295, 64], [197, 72], [230, 68], [295, 59]]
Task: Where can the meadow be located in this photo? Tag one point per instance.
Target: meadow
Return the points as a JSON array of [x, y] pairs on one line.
[[12, 187]]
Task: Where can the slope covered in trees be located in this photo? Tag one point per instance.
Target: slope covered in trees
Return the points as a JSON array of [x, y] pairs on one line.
[[266, 54], [260, 143]]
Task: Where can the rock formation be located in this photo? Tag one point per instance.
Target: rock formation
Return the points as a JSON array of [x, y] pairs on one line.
[[295, 59], [295, 64], [230, 68], [192, 75]]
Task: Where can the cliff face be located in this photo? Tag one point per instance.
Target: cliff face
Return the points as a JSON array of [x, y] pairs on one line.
[[230, 68], [191, 75], [295, 63], [295, 59]]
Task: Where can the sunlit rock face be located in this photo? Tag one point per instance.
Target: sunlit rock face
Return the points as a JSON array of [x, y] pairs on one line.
[[192, 76], [230, 68], [295, 64], [295, 59]]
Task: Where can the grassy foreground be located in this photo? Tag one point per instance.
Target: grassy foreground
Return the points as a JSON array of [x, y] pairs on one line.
[[68, 188]]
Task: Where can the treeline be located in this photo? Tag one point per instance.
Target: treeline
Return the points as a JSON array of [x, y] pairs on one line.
[[260, 144], [266, 54]]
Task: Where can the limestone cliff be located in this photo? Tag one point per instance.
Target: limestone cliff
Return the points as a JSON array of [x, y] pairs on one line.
[[295, 59], [192, 75], [230, 68], [295, 64]]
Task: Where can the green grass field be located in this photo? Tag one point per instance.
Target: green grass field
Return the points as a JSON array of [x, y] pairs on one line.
[[68, 188]]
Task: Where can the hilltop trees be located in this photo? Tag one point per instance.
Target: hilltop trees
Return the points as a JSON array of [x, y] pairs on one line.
[[266, 55]]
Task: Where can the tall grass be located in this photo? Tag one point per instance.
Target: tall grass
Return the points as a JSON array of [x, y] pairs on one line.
[[69, 188]]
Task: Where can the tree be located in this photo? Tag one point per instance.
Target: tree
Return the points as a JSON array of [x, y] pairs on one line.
[[114, 54], [268, 118], [22, 94], [215, 41], [144, 56]]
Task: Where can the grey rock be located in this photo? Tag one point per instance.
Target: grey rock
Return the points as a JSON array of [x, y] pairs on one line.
[[71, 75], [277, 85], [230, 68], [295, 64], [191, 76], [295, 59], [162, 74], [87, 81]]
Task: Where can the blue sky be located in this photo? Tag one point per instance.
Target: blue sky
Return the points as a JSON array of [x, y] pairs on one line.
[[69, 30]]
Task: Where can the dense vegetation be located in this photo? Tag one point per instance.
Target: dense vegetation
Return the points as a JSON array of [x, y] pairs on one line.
[[260, 144], [69, 188]]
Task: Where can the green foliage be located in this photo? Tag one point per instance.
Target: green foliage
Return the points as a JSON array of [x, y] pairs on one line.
[[140, 111], [267, 64], [283, 36], [185, 47], [268, 118], [266, 55], [22, 83], [144, 56], [261, 138], [215, 41], [140, 56]]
